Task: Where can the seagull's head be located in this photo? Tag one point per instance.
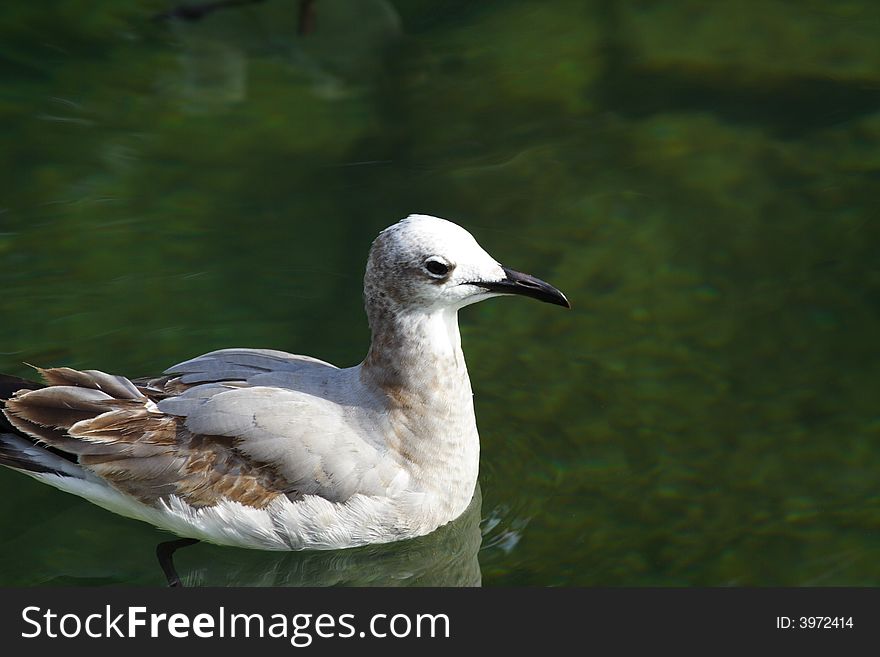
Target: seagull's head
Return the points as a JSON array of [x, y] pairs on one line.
[[428, 263]]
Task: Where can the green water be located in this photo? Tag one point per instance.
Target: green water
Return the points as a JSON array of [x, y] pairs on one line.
[[701, 179]]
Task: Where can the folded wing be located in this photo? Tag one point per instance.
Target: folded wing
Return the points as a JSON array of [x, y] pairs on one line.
[[209, 430], [111, 430]]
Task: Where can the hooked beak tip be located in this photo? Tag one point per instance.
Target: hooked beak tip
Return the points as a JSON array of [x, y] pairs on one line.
[[515, 282]]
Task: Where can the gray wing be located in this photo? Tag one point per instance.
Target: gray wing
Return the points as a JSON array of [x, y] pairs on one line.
[[319, 446], [305, 416], [242, 364]]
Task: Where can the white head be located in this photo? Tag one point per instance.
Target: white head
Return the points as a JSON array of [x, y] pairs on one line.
[[426, 263]]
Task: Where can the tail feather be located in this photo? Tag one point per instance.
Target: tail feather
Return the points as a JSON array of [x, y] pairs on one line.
[[36, 420], [58, 406], [114, 386], [21, 453]]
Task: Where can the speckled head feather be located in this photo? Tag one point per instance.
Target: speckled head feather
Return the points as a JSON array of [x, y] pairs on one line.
[[427, 263]]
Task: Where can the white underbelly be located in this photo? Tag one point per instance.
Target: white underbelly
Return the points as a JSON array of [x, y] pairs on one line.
[[311, 523]]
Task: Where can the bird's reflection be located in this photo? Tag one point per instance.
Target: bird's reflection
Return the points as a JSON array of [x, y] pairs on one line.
[[446, 557]]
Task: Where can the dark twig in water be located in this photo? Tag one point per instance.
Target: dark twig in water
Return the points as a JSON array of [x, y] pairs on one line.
[[165, 553], [306, 20], [307, 17], [198, 12]]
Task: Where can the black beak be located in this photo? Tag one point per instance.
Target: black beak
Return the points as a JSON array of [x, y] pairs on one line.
[[515, 282]]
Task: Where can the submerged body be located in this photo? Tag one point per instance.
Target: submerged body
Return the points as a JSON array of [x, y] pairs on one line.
[[270, 450]]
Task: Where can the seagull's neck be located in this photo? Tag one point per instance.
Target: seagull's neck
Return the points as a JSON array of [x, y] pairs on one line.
[[418, 352], [416, 360]]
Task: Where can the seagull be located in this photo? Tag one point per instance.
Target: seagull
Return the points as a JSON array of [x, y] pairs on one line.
[[264, 449]]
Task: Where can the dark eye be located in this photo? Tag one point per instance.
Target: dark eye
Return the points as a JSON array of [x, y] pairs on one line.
[[437, 267]]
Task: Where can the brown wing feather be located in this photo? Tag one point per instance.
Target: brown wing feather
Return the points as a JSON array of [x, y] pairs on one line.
[[105, 421], [116, 386], [157, 456], [161, 387]]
